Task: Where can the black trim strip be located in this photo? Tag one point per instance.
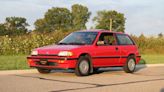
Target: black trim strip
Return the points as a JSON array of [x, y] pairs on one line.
[[110, 57], [105, 57], [52, 58], [124, 57], [46, 55], [98, 57]]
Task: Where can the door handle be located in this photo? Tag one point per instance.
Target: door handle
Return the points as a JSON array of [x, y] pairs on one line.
[[116, 48]]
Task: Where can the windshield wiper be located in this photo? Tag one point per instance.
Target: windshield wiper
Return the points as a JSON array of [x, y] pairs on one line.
[[62, 43], [75, 43], [71, 43]]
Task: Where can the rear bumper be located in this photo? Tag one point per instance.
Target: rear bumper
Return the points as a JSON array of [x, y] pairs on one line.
[[138, 58], [54, 63]]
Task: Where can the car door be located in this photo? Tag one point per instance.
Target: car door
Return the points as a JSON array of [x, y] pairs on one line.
[[107, 52]]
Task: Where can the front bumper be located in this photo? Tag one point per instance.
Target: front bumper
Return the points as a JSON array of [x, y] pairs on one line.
[[51, 62]]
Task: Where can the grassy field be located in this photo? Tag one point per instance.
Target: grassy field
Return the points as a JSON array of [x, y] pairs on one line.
[[13, 62], [19, 62], [152, 59]]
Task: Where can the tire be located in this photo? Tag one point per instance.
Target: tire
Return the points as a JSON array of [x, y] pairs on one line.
[[95, 70], [130, 65], [44, 71], [83, 66]]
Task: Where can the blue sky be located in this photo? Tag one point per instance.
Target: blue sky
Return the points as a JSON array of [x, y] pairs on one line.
[[142, 16]]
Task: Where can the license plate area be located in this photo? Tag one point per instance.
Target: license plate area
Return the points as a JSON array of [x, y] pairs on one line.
[[43, 62]]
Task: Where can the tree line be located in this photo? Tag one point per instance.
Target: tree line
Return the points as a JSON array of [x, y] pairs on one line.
[[63, 19], [15, 38]]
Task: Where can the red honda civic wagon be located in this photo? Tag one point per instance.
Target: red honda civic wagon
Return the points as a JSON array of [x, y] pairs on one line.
[[86, 52]]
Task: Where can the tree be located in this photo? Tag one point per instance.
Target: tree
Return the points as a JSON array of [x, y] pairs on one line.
[[160, 35], [54, 19], [16, 25], [40, 25], [80, 15], [103, 20], [3, 30]]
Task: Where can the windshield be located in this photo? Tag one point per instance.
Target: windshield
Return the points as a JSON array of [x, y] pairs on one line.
[[79, 38]]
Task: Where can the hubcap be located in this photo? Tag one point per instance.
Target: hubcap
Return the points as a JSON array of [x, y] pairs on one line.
[[84, 66], [131, 64]]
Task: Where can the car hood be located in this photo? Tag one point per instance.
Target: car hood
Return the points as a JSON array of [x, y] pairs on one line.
[[55, 49]]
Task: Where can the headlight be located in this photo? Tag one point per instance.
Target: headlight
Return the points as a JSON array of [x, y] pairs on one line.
[[34, 52], [65, 53]]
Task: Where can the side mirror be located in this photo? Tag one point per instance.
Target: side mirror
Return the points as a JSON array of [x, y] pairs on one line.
[[99, 43]]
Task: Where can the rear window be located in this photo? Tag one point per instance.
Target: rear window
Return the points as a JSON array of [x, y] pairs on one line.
[[124, 39]]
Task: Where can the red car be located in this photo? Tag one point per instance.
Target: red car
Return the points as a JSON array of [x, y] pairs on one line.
[[86, 52]]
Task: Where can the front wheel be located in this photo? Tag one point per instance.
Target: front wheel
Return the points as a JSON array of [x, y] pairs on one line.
[[130, 65], [82, 66], [40, 70]]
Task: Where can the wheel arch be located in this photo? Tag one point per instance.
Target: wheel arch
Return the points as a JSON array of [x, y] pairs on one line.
[[132, 54], [90, 60]]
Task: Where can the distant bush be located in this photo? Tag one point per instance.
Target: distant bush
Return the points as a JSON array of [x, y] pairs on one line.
[[149, 45], [25, 43]]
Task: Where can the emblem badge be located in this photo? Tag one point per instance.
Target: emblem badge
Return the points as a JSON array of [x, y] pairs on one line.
[[47, 52]]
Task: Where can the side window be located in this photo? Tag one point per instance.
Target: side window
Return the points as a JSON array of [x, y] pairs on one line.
[[107, 39], [124, 40]]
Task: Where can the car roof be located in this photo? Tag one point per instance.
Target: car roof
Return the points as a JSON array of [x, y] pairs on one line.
[[100, 31]]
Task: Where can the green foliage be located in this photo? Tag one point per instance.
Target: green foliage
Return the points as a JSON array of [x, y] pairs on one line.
[[62, 19], [3, 30], [41, 26], [152, 59], [103, 20], [25, 43], [54, 19], [80, 15], [160, 35], [13, 62], [15, 25], [146, 45], [58, 18]]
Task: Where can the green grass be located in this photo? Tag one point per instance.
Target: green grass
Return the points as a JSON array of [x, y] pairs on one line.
[[19, 62], [13, 62], [152, 59]]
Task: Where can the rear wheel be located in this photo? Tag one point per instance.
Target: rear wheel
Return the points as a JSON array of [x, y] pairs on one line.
[[130, 65], [95, 70], [41, 70], [82, 66]]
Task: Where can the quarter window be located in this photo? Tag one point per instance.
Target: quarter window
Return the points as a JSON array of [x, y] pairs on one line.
[[124, 39]]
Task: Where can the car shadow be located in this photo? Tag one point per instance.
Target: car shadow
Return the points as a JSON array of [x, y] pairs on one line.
[[102, 70], [141, 65], [63, 71], [113, 69], [162, 90]]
